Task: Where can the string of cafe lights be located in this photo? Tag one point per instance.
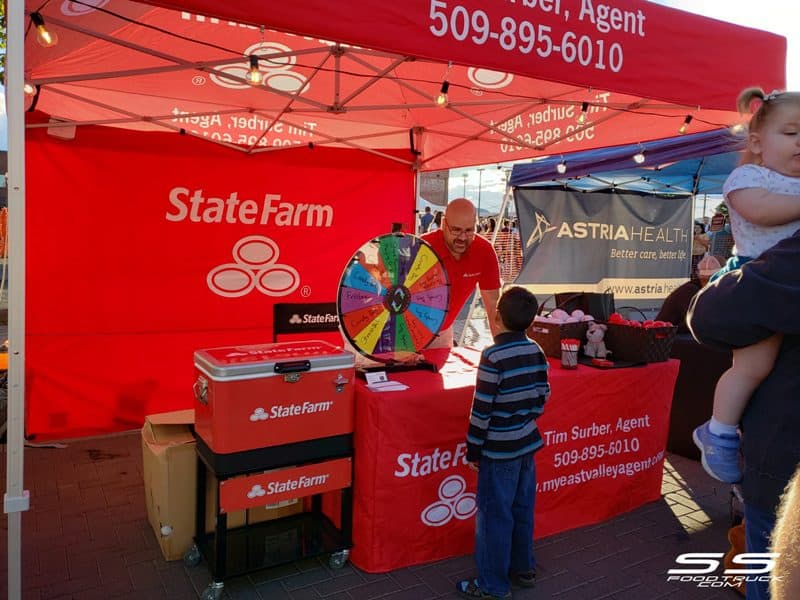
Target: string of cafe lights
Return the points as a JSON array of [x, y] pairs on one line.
[[254, 77]]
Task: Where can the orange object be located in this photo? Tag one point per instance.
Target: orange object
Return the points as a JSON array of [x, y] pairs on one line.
[[602, 362], [736, 537]]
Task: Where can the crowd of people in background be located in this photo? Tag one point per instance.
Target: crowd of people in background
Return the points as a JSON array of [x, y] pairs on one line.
[[718, 244]]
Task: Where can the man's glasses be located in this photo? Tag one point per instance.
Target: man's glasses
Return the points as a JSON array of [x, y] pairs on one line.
[[457, 232]]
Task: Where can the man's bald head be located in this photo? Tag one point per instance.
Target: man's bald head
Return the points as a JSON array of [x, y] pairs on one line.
[[460, 209], [459, 226]]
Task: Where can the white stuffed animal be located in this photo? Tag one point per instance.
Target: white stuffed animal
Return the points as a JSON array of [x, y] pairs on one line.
[[595, 347]]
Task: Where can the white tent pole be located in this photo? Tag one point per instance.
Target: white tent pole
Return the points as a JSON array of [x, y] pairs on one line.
[[16, 499], [503, 206]]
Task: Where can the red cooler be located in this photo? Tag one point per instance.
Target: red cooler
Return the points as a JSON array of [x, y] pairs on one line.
[[251, 397]]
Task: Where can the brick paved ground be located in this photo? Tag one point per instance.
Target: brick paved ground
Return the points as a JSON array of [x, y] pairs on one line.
[[87, 536]]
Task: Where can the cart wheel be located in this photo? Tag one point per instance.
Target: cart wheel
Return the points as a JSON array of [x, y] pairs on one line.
[[191, 558], [338, 559], [213, 591]]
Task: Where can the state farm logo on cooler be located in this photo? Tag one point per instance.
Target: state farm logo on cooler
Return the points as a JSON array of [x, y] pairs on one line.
[[454, 502], [280, 411], [255, 266]]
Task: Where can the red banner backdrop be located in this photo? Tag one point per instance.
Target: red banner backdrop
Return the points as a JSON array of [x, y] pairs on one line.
[[142, 248]]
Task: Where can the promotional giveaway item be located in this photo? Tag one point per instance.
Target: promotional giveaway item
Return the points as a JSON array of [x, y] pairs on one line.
[[569, 353], [599, 305], [393, 298], [549, 328]]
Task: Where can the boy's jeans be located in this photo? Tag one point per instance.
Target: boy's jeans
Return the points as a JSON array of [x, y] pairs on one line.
[[504, 522]]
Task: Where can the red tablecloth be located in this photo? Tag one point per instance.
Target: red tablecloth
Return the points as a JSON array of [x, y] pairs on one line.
[[605, 432]]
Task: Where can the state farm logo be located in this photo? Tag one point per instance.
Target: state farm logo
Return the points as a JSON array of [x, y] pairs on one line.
[[78, 9], [488, 79], [317, 319], [454, 502], [255, 266], [288, 485], [280, 411], [275, 63]]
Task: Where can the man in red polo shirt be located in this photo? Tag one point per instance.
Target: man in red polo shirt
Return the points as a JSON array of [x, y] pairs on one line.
[[468, 259]]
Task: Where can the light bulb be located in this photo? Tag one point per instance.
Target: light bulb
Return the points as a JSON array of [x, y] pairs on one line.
[[685, 126], [638, 158], [584, 110], [441, 99], [254, 76], [45, 37], [561, 167], [29, 89]]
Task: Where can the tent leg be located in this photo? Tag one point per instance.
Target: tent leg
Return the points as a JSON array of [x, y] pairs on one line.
[[475, 299], [16, 499]]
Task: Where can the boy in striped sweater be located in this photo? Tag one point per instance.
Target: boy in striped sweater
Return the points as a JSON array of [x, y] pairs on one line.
[[510, 392]]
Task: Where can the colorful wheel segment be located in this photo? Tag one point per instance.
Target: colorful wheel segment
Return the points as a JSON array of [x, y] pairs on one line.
[[393, 297]]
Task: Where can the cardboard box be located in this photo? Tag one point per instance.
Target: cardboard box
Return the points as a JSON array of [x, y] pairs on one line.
[[235, 519], [278, 510], [169, 463]]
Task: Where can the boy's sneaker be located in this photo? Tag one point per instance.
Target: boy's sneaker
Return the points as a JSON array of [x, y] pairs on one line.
[[525, 579], [468, 588], [719, 454]]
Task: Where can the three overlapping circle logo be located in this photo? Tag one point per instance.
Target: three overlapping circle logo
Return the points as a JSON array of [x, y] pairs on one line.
[[454, 502], [256, 267]]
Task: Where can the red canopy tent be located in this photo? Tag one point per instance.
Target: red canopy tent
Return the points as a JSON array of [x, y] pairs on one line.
[[366, 75], [523, 78], [138, 85]]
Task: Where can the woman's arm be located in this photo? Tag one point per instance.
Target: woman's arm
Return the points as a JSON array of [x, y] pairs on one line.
[[749, 304], [763, 207]]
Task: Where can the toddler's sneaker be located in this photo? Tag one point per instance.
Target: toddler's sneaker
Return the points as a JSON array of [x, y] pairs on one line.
[[525, 579], [719, 454]]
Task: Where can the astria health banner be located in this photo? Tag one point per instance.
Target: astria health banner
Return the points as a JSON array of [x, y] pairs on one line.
[[637, 246], [145, 247]]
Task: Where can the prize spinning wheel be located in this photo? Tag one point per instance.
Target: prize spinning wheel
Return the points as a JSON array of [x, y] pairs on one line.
[[393, 298]]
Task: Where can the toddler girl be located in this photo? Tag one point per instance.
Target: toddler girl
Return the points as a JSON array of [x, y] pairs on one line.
[[763, 198]]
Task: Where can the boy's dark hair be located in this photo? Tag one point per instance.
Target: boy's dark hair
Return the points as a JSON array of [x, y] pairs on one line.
[[517, 307]]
